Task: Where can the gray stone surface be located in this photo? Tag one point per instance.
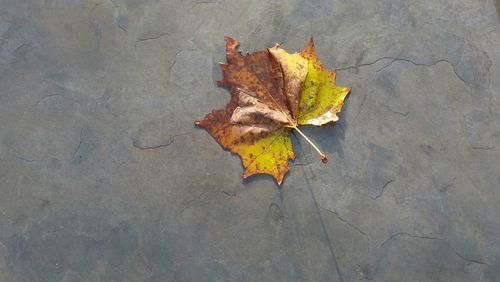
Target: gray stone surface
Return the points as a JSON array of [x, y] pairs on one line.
[[103, 176]]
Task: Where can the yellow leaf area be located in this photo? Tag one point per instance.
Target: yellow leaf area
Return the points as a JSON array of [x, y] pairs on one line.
[[261, 151], [320, 98], [267, 155]]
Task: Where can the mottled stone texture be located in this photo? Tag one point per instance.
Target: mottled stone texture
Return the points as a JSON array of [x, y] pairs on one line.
[[103, 176]]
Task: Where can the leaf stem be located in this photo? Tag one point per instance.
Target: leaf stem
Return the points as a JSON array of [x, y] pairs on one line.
[[324, 158]]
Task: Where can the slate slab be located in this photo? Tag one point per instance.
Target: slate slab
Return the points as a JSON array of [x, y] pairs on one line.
[[103, 176]]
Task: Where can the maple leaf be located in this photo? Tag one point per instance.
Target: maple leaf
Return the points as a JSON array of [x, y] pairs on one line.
[[272, 92]]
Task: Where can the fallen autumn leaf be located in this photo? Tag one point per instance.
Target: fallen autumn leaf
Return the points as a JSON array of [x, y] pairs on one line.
[[272, 93]]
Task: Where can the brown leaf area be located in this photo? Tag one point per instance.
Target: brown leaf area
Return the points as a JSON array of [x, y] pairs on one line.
[[257, 73], [294, 68], [253, 123]]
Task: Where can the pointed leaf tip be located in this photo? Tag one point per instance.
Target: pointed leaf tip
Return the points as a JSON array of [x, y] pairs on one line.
[[231, 41], [309, 51]]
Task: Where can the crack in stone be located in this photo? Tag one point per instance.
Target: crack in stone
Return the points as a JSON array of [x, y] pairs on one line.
[[303, 164], [201, 3], [149, 37], [73, 155], [383, 189], [79, 144], [120, 26], [175, 60], [362, 65], [482, 147], [403, 113], [197, 197], [114, 4], [21, 51], [116, 14], [47, 96], [412, 62], [27, 160], [20, 46], [152, 147], [230, 194], [363, 273], [468, 261], [93, 8], [171, 140], [153, 37], [348, 223], [404, 60]]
